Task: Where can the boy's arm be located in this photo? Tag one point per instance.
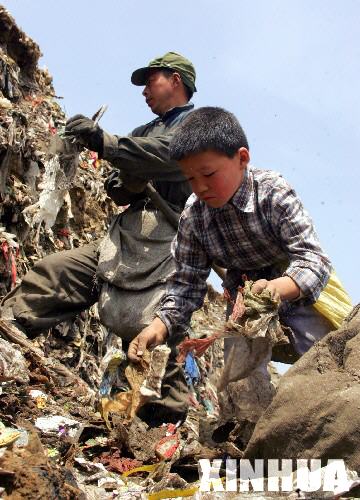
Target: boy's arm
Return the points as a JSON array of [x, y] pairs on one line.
[[309, 267], [185, 292]]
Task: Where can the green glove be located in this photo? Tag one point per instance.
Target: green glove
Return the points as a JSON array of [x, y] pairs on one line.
[[86, 132]]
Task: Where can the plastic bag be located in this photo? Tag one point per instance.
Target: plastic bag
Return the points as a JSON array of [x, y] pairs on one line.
[[334, 302]]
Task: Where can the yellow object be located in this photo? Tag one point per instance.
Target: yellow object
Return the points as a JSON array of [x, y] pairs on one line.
[[8, 436], [143, 468], [334, 302], [41, 402], [187, 492], [159, 495]]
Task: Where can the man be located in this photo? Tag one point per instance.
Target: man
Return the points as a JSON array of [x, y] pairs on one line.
[[127, 270]]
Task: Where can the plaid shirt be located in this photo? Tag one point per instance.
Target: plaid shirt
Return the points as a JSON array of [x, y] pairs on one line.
[[262, 232]]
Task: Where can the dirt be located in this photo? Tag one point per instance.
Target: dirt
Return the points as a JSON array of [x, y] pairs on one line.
[[42, 479]]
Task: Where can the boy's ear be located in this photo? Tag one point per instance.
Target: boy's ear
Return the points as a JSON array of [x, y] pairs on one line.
[[244, 156]]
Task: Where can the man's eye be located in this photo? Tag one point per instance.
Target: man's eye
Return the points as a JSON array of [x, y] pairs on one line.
[[189, 179], [209, 175]]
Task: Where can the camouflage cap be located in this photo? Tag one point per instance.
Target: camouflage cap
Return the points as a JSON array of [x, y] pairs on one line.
[[170, 60]]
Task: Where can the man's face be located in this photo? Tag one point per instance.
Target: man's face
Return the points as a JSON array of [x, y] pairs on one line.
[[159, 91], [214, 177]]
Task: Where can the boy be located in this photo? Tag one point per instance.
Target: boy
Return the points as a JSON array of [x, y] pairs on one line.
[[247, 220]]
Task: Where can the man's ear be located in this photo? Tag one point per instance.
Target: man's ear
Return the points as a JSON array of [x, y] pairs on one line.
[[176, 78], [244, 156]]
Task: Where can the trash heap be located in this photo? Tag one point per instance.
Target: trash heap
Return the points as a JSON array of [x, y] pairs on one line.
[[30, 119]]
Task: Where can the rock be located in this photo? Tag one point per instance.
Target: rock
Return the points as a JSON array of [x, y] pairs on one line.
[[315, 412]]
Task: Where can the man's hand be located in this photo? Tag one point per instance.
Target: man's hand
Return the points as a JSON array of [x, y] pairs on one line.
[[152, 335], [283, 288], [86, 132]]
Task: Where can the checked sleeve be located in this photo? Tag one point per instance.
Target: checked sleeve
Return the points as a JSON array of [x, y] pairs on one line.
[[309, 266]]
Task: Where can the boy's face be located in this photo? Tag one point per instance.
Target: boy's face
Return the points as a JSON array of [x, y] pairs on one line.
[[214, 177]]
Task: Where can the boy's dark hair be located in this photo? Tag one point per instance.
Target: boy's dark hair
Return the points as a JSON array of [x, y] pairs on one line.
[[205, 129]]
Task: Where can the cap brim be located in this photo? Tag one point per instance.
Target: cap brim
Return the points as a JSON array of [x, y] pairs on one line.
[[140, 76]]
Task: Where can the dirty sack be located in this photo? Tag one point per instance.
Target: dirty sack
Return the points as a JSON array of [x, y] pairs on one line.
[[134, 263], [315, 412], [250, 333], [246, 388]]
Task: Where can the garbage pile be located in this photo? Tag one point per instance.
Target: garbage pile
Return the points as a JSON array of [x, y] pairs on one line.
[[30, 121]]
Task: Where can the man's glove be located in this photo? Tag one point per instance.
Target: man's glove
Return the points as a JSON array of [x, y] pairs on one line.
[[86, 132]]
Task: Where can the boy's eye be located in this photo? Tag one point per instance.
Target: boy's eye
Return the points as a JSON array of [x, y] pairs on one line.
[[209, 175]]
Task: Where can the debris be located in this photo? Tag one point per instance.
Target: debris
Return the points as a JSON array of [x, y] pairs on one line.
[[143, 439], [114, 462], [57, 424], [32, 475], [12, 363], [130, 377], [8, 435], [40, 398], [151, 387]]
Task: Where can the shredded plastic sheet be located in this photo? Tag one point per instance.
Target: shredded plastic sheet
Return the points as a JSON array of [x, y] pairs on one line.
[[334, 302], [12, 363], [151, 387], [55, 185], [197, 346], [129, 378]]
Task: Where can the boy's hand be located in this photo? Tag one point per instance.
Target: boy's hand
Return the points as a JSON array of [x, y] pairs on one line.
[[152, 335], [261, 285], [283, 288]]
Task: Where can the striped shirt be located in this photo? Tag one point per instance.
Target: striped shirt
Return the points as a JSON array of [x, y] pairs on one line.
[[262, 232]]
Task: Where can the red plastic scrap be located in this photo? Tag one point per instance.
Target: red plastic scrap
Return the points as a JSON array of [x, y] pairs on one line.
[[167, 446], [52, 129], [114, 462], [64, 232], [13, 270], [197, 346], [5, 250]]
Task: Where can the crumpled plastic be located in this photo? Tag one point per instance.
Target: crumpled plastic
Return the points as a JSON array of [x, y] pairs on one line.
[[334, 302], [151, 387], [58, 424], [192, 373], [256, 315], [59, 174], [12, 363], [127, 386], [126, 377]]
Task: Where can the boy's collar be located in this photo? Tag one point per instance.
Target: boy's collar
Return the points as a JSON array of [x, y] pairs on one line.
[[244, 197]]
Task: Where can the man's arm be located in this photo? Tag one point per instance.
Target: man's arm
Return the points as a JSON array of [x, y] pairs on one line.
[[143, 157], [122, 192], [309, 267], [185, 293]]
